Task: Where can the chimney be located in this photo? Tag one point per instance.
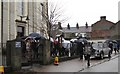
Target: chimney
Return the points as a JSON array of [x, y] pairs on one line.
[[86, 25], [77, 26], [68, 26], [59, 25], [103, 17]]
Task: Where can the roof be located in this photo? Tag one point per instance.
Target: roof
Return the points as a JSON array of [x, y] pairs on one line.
[[116, 24], [81, 29], [107, 24]]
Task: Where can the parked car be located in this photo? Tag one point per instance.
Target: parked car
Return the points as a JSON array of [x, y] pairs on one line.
[[99, 50]]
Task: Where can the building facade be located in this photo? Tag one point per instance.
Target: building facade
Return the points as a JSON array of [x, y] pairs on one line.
[[19, 19], [115, 32], [22, 18], [73, 32], [101, 29]]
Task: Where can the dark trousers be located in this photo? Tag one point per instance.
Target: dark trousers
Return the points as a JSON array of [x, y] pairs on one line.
[[111, 49], [115, 49], [88, 60], [118, 49], [81, 55]]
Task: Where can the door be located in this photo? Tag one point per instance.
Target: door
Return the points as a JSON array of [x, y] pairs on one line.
[[20, 31]]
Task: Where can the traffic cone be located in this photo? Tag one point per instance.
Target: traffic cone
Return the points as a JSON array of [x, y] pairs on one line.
[[56, 61], [1, 69]]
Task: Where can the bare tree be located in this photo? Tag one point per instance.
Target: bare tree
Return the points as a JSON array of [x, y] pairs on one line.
[[52, 16], [56, 14]]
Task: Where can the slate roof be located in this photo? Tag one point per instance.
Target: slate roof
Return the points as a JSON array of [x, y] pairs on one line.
[[81, 29]]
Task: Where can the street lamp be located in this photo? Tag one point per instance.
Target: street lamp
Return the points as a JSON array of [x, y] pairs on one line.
[[28, 23]]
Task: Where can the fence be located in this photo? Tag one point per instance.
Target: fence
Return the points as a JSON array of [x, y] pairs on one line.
[[3, 53]]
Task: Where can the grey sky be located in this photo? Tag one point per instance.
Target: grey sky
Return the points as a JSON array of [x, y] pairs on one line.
[[89, 11]]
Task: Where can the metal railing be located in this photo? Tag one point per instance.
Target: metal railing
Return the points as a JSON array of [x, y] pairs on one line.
[[3, 54]]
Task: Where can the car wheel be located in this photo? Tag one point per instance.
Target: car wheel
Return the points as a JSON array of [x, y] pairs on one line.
[[102, 55]]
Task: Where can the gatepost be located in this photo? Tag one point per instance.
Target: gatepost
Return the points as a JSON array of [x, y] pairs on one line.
[[46, 51], [14, 54]]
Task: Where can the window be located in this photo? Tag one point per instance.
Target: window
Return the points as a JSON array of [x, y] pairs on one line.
[[20, 7], [20, 31]]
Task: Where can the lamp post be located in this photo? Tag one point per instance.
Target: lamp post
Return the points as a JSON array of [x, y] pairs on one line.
[[28, 23]]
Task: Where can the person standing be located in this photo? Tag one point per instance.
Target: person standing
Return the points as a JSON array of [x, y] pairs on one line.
[[81, 46], [118, 47], [115, 47], [111, 47], [88, 48], [55, 50]]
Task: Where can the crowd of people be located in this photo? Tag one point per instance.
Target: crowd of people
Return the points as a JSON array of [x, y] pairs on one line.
[[114, 46], [78, 48], [75, 48], [56, 49], [30, 49]]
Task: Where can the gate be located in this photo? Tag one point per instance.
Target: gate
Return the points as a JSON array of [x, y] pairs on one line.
[[18, 55]]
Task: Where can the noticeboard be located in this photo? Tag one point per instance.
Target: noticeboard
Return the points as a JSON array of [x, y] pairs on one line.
[[18, 44]]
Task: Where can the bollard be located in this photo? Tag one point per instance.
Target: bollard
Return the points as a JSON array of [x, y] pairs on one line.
[[56, 61], [1, 69]]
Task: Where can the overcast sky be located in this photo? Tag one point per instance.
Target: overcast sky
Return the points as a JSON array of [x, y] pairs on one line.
[[89, 11]]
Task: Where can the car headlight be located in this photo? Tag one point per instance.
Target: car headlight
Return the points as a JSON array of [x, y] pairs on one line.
[[97, 51]]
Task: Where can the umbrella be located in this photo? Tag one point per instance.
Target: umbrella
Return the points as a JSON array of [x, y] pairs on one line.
[[36, 36], [114, 41], [108, 41], [73, 40], [81, 40], [29, 38]]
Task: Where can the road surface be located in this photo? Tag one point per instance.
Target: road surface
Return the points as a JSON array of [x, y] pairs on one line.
[[108, 66], [74, 65]]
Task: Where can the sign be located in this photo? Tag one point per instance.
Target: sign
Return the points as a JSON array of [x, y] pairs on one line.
[[18, 44]]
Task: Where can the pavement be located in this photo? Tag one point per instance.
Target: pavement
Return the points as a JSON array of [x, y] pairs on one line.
[[74, 65], [71, 65]]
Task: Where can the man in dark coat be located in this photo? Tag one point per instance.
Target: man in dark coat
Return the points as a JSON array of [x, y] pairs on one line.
[[80, 47], [111, 46]]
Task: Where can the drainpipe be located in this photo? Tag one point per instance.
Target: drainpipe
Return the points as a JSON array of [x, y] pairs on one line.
[[2, 31]]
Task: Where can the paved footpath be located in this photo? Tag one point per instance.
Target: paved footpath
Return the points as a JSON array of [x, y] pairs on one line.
[[74, 65], [108, 66]]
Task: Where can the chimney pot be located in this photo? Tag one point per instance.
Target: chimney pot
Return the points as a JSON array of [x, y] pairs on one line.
[[103, 17]]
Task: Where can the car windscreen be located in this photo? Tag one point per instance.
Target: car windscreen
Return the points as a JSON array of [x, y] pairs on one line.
[[97, 45]]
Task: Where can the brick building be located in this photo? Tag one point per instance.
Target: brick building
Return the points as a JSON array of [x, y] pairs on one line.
[[115, 32], [101, 28]]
